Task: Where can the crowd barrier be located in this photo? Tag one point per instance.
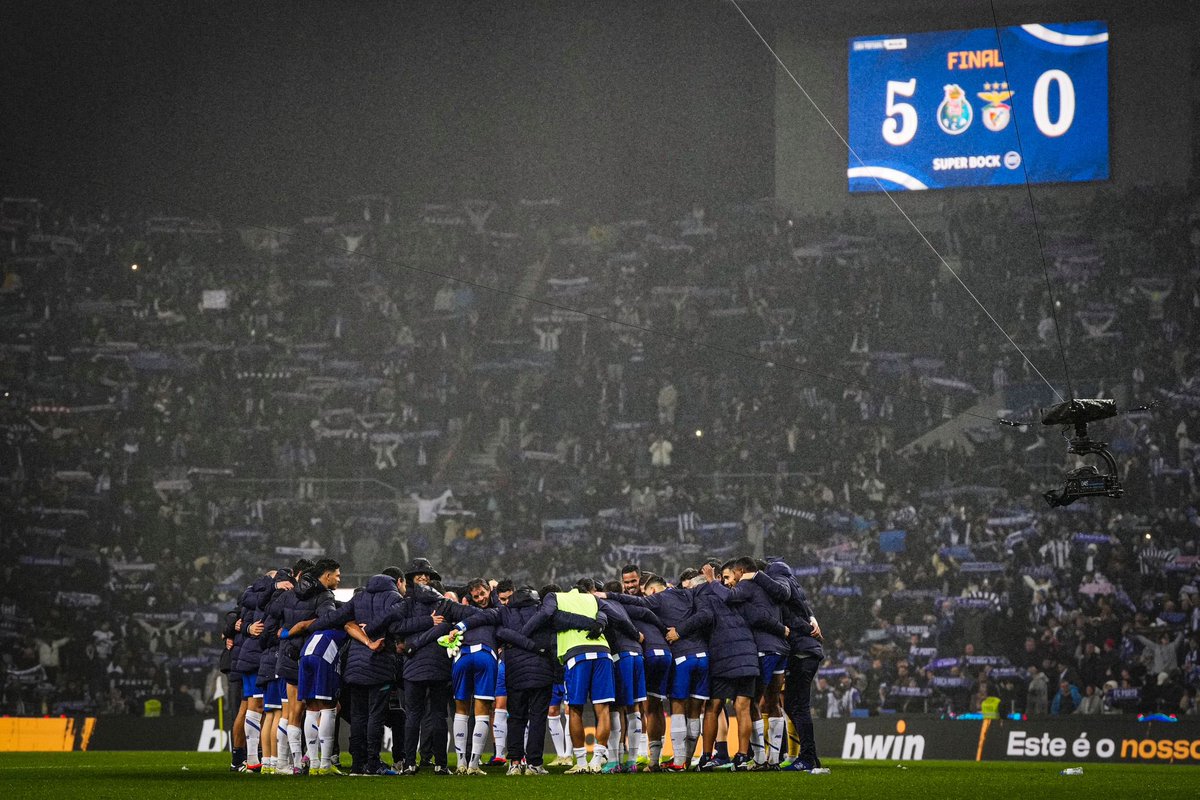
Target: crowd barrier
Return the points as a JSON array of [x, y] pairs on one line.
[[895, 738]]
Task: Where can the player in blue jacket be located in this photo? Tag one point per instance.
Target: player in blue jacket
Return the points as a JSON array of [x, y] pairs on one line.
[[676, 607], [474, 673], [370, 669]]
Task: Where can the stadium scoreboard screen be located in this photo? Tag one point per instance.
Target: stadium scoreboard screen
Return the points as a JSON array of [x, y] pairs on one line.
[[944, 109]]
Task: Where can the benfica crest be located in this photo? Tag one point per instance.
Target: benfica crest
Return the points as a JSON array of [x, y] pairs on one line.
[[997, 113]]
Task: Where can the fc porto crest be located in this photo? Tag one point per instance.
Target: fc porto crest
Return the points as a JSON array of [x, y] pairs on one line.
[[997, 113], [955, 115]]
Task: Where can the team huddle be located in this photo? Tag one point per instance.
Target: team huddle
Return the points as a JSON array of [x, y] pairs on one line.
[[717, 662]]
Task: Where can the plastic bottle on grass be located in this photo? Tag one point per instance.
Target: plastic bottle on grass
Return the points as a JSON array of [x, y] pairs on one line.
[[1072, 771]]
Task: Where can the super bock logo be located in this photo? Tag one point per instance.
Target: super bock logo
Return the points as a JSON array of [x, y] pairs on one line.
[[955, 115]]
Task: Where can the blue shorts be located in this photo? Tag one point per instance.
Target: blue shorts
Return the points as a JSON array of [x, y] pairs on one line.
[[501, 689], [690, 677], [630, 673], [474, 676], [275, 693], [770, 665], [319, 679], [250, 686], [658, 665], [558, 694], [590, 678]]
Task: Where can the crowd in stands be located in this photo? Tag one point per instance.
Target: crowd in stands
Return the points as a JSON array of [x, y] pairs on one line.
[[520, 391]]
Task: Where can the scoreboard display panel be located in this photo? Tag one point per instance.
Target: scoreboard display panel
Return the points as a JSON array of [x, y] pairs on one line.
[[943, 110]]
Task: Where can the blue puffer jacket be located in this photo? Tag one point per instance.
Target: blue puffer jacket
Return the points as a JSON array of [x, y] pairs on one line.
[[369, 607], [732, 652], [238, 638], [650, 627], [412, 623], [676, 608], [269, 663], [759, 601], [253, 608], [309, 600], [482, 629], [621, 633], [529, 661], [796, 613], [226, 661]]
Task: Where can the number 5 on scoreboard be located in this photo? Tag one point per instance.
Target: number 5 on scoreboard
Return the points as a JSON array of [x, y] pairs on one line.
[[898, 133]]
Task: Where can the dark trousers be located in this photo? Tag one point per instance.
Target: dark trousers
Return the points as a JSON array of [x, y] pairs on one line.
[[797, 704], [233, 701], [527, 724], [425, 704], [343, 714], [368, 706], [395, 718]]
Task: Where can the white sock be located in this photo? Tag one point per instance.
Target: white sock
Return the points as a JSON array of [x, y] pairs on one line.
[[312, 736], [295, 736], [282, 758], [556, 735], [775, 729], [756, 742], [461, 723], [500, 732], [693, 736], [614, 734], [599, 754], [654, 748], [253, 728], [634, 738], [580, 755], [325, 730], [679, 731], [479, 738]]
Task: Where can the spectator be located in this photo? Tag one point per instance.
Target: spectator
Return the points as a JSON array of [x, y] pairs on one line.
[[1091, 702], [1066, 699], [1036, 701]]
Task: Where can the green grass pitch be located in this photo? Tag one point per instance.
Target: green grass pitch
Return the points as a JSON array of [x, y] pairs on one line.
[[184, 775]]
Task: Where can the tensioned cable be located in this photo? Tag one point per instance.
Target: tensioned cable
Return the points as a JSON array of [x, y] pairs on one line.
[[729, 351], [1062, 351], [889, 196]]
